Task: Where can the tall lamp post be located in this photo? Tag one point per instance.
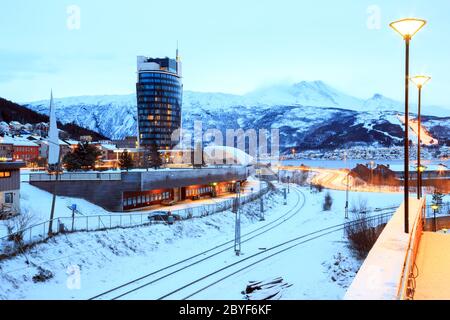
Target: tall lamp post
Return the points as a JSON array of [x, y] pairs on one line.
[[419, 81], [435, 208], [407, 28]]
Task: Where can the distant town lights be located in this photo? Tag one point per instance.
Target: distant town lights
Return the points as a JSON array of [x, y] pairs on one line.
[[420, 81], [408, 27]]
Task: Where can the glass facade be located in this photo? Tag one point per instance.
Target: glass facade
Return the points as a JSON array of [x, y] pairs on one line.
[[159, 99]]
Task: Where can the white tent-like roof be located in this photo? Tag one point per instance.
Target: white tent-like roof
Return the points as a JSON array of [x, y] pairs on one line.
[[231, 155]]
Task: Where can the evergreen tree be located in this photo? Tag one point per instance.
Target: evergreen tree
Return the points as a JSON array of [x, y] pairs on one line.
[[437, 197], [125, 160], [328, 202], [83, 157], [154, 158]]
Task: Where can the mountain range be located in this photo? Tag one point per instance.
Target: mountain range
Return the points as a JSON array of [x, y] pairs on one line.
[[310, 115]]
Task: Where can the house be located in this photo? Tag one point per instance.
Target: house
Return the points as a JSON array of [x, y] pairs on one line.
[[43, 148], [86, 138], [41, 129], [4, 127], [23, 149], [127, 143], [6, 150], [10, 187], [15, 126], [379, 175]]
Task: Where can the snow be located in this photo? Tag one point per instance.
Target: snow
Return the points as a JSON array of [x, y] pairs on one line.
[[115, 115], [17, 141], [218, 153], [39, 209], [111, 258]]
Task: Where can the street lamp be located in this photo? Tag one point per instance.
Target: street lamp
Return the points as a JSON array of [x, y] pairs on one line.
[[419, 81], [407, 28], [435, 208]]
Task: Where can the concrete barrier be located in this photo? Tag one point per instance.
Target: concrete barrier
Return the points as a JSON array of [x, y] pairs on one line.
[[384, 275]]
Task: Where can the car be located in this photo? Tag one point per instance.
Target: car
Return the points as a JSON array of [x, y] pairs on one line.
[[162, 216], [168, 202]]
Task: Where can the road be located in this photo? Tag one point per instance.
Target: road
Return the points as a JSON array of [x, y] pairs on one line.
[[336, 179]]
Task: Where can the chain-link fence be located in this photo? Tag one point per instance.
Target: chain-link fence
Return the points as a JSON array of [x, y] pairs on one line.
[[40, 232]]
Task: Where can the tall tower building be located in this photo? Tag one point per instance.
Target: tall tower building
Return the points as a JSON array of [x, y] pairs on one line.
[[159, 97]]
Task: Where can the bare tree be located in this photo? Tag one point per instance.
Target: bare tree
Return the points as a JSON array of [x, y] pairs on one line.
[[363, 233], [17, 225]]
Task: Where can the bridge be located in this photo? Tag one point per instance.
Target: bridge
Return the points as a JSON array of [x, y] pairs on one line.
[[405, 266]]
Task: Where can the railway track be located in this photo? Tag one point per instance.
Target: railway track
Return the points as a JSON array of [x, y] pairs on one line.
[[165, 272], [199, 285]]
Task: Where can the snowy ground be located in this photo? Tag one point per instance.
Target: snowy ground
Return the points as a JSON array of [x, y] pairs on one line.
[[37, 203], [321, 269]]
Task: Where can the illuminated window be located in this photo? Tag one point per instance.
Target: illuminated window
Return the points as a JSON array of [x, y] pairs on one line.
[[5, 174]]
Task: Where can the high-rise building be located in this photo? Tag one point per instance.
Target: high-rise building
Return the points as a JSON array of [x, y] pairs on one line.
[[159, 97]]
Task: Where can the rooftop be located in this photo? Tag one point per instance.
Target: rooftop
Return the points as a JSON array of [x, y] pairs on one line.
[[11, 165], [17, 141], [157, 64]]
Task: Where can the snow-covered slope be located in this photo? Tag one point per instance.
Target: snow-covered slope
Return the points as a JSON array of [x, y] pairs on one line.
[[311, 111]]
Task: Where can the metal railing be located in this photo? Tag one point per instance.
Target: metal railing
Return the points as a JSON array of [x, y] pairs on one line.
[[39, 232], [443, 210], [407, 283], [366, 221], [77, 176]]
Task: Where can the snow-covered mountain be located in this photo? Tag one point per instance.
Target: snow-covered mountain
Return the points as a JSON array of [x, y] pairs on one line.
[[308, 114]]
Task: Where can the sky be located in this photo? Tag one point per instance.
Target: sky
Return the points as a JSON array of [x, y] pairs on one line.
[[82, 47]]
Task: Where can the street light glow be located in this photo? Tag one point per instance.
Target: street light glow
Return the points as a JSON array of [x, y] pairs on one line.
[[420, 81], [408, 27]]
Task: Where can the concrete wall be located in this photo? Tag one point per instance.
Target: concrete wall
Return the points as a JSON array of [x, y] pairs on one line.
[[439, 224], [15, 206], [11, 183]]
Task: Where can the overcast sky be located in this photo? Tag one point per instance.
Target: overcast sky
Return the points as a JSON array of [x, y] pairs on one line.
[[232, 46]]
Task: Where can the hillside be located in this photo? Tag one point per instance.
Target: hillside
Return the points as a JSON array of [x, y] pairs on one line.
[[10, 111], [310, 115]]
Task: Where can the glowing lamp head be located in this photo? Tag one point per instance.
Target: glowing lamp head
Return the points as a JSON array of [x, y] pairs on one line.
[[421, 168], [420, 81], [434, 206], [408, 27]]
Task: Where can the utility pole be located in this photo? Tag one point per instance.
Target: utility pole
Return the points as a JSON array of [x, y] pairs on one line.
[[346, 198], [346, 190], [261, 207], [237, 229]]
